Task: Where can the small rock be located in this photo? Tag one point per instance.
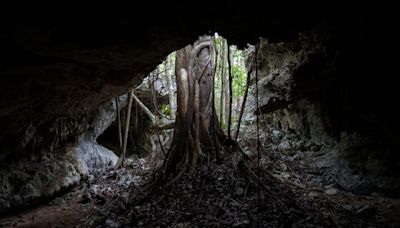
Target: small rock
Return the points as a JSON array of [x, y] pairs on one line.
[[331, 191], [243, 223], [312, 194], [283, 167], [290, 158], [183, 225], [374, 194], [112, 223], [285, 145], [285, 175], [239, 191], [94, 189], [347, 207], [277, 134], [328, 186]]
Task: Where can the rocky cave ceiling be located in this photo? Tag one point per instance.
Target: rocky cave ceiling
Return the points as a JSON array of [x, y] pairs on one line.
[[66, 60]]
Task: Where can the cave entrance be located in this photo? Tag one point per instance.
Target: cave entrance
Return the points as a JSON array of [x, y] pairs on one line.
[[223, 89], [217, 87], [322, 134]]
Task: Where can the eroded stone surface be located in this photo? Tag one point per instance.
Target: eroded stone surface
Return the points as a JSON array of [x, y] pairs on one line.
[[305, 111], [41, 175]]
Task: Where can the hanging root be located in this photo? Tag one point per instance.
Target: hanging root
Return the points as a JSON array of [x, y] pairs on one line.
[[122, 155]]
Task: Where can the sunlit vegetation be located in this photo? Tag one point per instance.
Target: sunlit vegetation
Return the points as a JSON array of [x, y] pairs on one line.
[[159, 79], [239, 75]]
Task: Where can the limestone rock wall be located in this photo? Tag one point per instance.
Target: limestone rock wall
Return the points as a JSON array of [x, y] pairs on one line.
[[306, 94], [40, 172]]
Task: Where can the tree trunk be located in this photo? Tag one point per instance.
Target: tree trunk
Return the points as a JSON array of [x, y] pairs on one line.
[[192, 140], [170, 91], [223, 85], [226, 86]]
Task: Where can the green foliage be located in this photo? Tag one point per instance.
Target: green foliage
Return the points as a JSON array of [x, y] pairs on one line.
[[239, 77], [238, 69], [166, 110], [238, 81], [223, 126]]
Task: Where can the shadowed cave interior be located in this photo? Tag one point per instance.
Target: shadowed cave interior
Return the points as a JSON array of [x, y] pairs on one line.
[[318, 140]]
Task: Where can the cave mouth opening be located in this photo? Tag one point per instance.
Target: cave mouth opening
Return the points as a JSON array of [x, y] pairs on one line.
[[300, 159], [329, 143], [155, 99]]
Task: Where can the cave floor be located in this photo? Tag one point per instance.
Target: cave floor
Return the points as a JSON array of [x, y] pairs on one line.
[[60, 212], [96, 195], [218, 195]]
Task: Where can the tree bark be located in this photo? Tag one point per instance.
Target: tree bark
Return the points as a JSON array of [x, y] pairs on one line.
[[170, 91], [192, 140], [222, 114]]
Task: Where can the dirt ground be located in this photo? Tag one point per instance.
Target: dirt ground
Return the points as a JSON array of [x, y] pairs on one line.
[[218, 195], [53, 214]]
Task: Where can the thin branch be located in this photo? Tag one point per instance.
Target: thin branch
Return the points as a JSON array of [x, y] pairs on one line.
[[230, 93], [119, 122], [165, 126], [154, 77], [204, 69], [159, 141], [153, 118], [145, 109], [244, 102], [122, 156]]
